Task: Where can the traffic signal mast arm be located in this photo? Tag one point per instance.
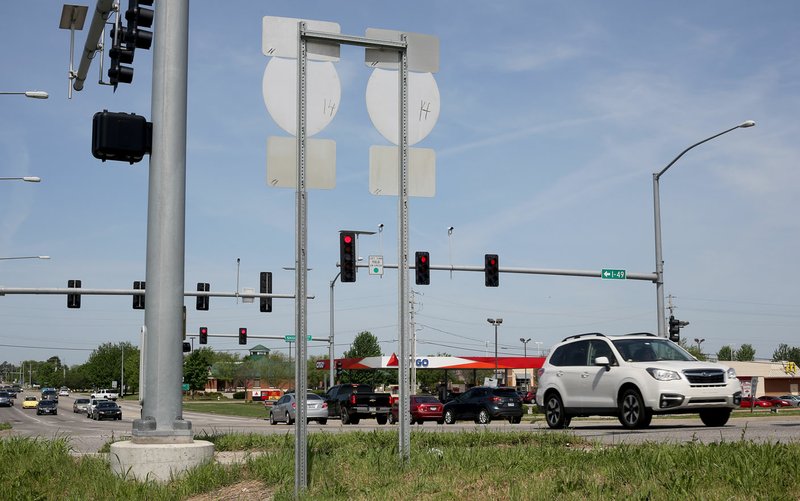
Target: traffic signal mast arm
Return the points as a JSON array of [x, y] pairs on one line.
[[649, 277], [256, 336], [132, 292]]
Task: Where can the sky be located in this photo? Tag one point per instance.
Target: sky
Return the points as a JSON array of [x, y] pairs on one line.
[[554, 117]]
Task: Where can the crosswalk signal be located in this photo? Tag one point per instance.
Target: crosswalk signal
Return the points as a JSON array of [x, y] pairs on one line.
[[138, 299], [347, 255], [491, 270], [73, 300], [202, 301], [422, 268], [187, 346], [203, 335], [265, 303], [242, 335]]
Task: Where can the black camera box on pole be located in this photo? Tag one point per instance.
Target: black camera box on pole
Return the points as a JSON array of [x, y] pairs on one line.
[[125, 137]]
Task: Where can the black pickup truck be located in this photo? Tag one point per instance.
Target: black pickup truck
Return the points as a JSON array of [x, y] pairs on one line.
[[352, 402]]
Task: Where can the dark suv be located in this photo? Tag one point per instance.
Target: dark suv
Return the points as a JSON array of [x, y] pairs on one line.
[[483, 404]]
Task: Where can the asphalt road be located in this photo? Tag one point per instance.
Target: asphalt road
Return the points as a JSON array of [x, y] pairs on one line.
[[87, 436]]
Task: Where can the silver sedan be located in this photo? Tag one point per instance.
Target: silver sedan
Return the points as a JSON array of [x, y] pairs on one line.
[[285, 409]]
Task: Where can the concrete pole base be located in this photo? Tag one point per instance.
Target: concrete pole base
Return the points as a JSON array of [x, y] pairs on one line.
[[159, 462]]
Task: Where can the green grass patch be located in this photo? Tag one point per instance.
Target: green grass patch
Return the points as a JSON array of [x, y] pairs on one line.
[[469, 465], [5, 426], [228, 408]]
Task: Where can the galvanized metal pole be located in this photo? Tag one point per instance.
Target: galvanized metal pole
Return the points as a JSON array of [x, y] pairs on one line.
[[162, 419], [402, 259], [331, 337], [301, 272], [662, 328]]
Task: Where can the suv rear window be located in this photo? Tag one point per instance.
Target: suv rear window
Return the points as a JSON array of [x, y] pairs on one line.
[[505, 392]]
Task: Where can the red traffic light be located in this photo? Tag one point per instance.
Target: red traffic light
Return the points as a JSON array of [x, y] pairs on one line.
[[347, 239]]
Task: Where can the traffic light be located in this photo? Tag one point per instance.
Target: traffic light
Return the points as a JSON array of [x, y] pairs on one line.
[[491, 270], [674, 329], [422, 267], [242, 335], [203, 335], [138, 299], [347, 255], [138, 18], [119, 54], [338, 368], [266, 288], [187, 347], [202, 301], [73, 300]]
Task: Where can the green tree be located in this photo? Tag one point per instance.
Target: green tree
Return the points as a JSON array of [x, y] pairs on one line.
[[786, 353], [195, 368], [105, 365], [366, 344], [746, 353], [725, 353]]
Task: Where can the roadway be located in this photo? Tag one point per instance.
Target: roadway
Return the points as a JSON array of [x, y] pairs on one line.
[[88, 436]]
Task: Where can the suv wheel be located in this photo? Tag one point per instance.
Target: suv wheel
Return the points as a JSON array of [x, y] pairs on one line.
[[449, 416], [632, 412], [554, 412], [483, 417], [345, 417], [715, 417]]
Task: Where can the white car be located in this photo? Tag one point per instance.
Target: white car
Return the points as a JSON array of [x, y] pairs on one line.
[[63, 392], [632, 377]]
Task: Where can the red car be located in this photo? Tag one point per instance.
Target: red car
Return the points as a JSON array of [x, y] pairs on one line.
[[776, 401], [423, 408], [746, 403]]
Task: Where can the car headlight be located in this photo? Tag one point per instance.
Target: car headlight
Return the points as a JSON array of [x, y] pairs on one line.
[[663, 374], [731, 373]]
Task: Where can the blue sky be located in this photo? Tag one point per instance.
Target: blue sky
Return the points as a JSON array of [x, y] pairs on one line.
[[554, 115]]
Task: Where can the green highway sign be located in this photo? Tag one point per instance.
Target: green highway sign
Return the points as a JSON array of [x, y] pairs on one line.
[[608, 274], [291, 338]]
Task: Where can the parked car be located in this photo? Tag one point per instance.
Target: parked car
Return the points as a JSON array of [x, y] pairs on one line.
[[285, 409], [527, 397], [5, 399], [30, 402], [92, 403], [484, 403], [80, 405], [748, 403], [632, 377], [422, 407], [47, 406], [776, 401], [793, 399], [106, 409]]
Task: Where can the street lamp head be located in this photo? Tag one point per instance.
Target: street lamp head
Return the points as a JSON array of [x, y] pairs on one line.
[[36, 94], [747, 123], [32, 179]]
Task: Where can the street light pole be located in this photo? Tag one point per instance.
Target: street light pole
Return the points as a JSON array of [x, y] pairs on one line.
[[662, 329], [525, 348], [495, 322], [24, 257]]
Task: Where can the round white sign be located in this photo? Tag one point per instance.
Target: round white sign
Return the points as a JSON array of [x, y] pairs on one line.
[[323, 94], [383, 99]]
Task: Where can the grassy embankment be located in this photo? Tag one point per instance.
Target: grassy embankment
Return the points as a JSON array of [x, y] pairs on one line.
[[470, 465]]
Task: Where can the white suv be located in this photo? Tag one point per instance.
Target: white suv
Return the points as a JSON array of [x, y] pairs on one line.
[[632, 377]]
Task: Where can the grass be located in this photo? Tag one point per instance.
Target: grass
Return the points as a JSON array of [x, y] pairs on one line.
[[5, 426], [470, 465], [228, 408]]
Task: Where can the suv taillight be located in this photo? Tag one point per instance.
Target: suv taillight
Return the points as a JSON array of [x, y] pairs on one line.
[[353, 399], [496, 399]]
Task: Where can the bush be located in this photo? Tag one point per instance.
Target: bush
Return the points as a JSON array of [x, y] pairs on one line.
[[239, 395]]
